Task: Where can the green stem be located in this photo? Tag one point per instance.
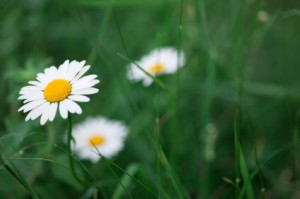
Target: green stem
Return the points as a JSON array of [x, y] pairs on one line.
[[19, 178], [157, 138], [70, 151], [71, 160]]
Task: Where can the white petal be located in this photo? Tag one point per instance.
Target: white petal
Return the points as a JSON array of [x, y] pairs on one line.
[[147, 81], [32, 96], [52, 112], [31, 93], [85, 85], [86, 78], [34, 113], [79, 98], [87, 91], [28, 89], [63, 109], [36, 83], [45, 115], [54, 71], [78, 108], [74, 68], [70, 106], [31, 105], [73, 107], [63, 69], [95, 158], [42, 78], [30, 99], [51, 72], [81, 72], [82, 63]]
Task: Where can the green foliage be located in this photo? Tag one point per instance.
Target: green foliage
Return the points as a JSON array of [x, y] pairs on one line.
[[241, 78]]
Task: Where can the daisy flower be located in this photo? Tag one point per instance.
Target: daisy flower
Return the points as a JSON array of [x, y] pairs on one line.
[[159, 61], [97, 137], [58, 89]]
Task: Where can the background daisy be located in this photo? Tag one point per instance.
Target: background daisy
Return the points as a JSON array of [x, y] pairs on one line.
[[58, 88], [96, 135], [159, 61], [241, 75]]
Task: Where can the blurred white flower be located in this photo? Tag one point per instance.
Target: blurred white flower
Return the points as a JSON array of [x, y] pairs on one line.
[[98, 137], [58, 88], [263, 16], [159, 61]]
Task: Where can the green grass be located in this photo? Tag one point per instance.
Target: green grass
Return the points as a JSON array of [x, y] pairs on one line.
[[240, 85]]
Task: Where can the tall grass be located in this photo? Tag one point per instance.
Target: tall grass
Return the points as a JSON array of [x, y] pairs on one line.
[[241, 77]]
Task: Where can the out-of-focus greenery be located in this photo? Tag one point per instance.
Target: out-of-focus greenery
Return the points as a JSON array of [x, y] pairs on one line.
[[225, 127]]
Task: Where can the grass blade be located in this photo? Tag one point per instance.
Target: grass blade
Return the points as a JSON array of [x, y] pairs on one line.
[[125, 181], [242, 165], [171, 174], [18, 176], [246, 177], [157, 81]]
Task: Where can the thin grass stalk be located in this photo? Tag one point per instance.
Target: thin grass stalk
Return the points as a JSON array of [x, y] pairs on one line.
[[17, 175], [236, 150], [126, 180], [132, 177], [242, 168], [71, 161], [157, 135], [173, 178], [207, 96], [114, 173]]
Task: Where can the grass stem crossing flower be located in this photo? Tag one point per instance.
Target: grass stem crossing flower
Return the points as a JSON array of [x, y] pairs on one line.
[[159, 61], [98, 135]]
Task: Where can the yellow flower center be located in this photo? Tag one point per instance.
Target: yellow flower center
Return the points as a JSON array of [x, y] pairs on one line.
[[96, 140], [57, 90], [156, 69]]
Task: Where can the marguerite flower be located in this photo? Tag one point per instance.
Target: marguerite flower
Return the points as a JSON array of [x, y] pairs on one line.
[[98, 137], [58, 88], [159, 61]]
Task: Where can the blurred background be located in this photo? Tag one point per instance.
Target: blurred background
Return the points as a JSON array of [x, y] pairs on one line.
[[226, 126]]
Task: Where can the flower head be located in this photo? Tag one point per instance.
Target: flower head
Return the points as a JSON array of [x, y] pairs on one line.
[[98, 137], [159, 61], [58, 89]]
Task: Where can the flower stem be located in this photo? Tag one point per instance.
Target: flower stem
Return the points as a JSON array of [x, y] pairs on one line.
[[71, 160]]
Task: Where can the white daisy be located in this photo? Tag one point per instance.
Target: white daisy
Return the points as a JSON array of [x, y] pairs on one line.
[[98, 137], [58, 88], [159, 61]]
